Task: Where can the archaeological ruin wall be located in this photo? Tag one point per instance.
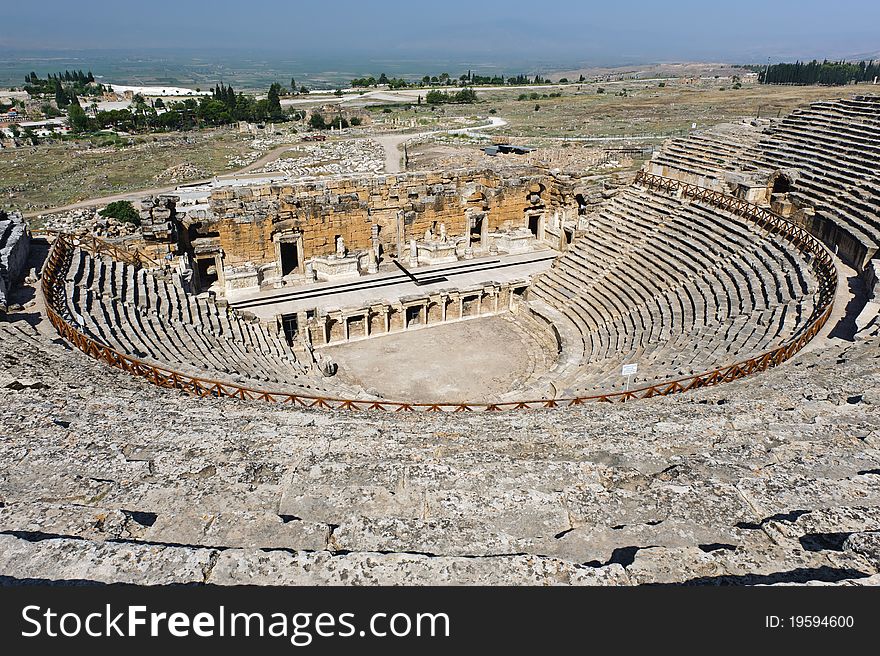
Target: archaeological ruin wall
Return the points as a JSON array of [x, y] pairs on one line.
[[14, 248], [259, 236]]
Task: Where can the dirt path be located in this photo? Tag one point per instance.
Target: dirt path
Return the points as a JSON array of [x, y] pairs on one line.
[[389, 142], [392, 142]]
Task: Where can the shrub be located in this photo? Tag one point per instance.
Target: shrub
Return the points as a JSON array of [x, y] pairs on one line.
[[121, 210]]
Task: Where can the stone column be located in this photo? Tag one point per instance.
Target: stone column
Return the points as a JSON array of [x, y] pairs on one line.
[[374, 242], [278, 266], [400, 233], [300, 253]]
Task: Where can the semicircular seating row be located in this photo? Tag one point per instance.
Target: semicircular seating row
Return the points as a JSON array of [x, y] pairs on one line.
[[677, 286], [152, 318], [833, 145]]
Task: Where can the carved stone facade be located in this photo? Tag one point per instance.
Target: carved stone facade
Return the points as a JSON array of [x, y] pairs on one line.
[[269, 233], [332, 326]]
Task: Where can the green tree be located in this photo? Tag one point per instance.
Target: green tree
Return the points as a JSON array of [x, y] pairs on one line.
[[77, 118], [122, 210], [274, 98], [317, 122], [60, 96], [467, 96]]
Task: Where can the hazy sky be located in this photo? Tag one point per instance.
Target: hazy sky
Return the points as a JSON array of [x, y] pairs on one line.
[[745, 30]]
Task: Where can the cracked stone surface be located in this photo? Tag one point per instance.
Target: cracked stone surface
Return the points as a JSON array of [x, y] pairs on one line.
[[770, 480]]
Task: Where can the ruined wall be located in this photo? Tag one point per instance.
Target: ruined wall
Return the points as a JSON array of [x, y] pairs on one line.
[[14, 248], [403, 206]]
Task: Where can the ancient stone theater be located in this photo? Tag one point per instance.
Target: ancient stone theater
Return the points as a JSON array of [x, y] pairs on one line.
[[499, 375]]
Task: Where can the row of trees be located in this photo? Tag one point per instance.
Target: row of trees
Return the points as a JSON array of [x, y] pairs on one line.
[[445, 79], [393, 82], [222, 107], [67, 76], [64, 87], [814, 72], [465, 96], [537, 96]]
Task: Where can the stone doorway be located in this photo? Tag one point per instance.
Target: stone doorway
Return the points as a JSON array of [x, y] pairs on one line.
[[208, 272], [289, 258], [289, 253], [536, 225], [478, 230]]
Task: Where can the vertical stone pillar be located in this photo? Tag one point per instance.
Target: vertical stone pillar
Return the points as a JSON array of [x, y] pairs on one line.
[[400, 233], [374, 241], [300, 254]]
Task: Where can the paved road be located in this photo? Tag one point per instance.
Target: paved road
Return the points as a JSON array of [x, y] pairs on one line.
[[351, 96]]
